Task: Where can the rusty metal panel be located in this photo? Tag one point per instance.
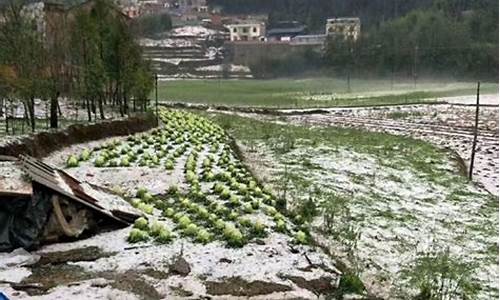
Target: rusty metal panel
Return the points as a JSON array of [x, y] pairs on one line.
[[89, 195]]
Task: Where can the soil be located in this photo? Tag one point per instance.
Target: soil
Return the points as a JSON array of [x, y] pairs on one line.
[[318, 286], [90, 253], [236, 286], [43, 143]]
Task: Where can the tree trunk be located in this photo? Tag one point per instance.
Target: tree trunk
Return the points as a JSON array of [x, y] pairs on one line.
[[54, 104], [101, 108], [59, 111], [89, 112], [30, 108], [125, 104]]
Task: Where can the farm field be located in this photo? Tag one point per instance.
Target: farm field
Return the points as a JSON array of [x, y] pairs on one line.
[[239, 205], [209, 228], [388, 204], [313, 92]]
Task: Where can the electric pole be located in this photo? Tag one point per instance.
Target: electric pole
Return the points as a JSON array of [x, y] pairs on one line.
[[474, 142], [156, 97]]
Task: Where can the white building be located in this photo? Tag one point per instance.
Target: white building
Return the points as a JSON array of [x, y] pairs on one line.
[[346, 27], [247, 32]]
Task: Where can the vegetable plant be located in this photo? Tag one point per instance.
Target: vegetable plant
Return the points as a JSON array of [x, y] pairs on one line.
[[141, 223], [137, 235]]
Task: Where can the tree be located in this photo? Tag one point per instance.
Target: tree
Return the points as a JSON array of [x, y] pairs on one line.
[[22, 52]]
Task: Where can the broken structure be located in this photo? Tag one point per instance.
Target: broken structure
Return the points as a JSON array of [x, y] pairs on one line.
[[41, 204]]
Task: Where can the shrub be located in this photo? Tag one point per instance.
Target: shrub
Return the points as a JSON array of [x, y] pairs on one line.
[[173, 190]]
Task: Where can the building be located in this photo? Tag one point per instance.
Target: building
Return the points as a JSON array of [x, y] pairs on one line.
[[285, 31], [246, 32], [131, 11], [349, 28]]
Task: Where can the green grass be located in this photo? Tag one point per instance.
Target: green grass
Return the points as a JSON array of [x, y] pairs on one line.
[[288, 93]]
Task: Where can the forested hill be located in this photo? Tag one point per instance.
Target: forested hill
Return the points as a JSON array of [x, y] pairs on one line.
[[372, 12]]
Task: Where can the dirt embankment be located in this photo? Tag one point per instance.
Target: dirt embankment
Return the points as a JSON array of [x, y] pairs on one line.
[[43, 143]]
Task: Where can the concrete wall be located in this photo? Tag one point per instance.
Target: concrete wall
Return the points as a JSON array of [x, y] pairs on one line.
[[249, 53]]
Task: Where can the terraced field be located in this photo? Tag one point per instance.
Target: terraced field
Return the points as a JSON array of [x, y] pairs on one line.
[[209, 228], [220, 198]]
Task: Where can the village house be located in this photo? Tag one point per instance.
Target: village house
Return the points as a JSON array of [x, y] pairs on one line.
[[285, 31], [251, 31], [349, 28]]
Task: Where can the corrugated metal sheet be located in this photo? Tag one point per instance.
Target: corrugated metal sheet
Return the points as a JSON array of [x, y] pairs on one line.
[[89, 195]]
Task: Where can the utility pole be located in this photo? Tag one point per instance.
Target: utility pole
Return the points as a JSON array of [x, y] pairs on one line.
[[349, 66], [156, 98], [475, 134], [415, 59]]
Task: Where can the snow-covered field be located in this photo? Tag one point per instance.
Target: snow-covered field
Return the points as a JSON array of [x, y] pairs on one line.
[[168, 43], [447, 126], [371, 91], [193, 32], [220, 68], [268, 265], [397, 210]]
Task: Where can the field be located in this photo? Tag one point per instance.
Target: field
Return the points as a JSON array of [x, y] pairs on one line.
[[384, 203], [313, 92], [291, 206], [209, 227]]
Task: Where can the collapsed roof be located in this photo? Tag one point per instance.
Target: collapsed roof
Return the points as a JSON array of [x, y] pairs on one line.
[[39, 203]]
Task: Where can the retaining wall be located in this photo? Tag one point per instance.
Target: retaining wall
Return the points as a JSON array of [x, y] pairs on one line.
[[42, 143]]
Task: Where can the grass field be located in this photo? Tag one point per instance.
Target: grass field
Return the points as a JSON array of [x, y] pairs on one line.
[[313, 92]]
